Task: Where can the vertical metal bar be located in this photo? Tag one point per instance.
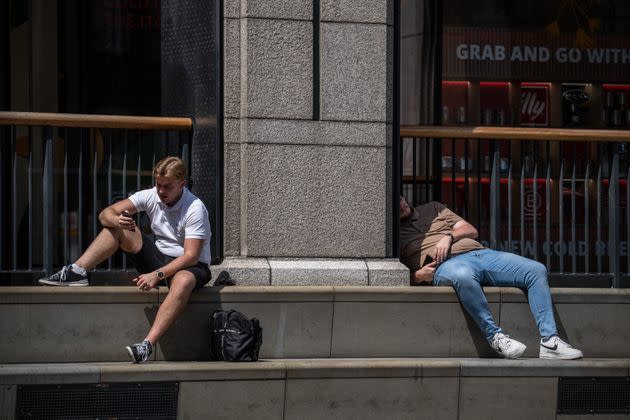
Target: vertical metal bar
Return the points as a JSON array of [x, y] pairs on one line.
[[561, 216], [138, 183], [522, 190], [453, 181], [628, 218], [109, 182], [66, 218], [510, 205], [414, 170], [14, 208], [478, 221], [30, 204], [613, 225], [495, 201], [427, 172], [80, 186], [48, 201], [598, 250], [466, 153], [573, 224], [587, 218], [2, 239], [94, 189], [548, 214], [124, 184], [535, 225], [152, 173]]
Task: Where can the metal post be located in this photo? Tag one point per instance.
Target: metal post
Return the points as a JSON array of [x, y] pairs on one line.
[[613, 225], [495, 201], [48, 242]]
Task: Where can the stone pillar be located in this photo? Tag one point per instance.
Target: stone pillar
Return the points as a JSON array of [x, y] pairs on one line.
[[307, 190]]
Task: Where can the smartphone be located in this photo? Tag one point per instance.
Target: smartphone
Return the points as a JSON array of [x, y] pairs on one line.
[[427, 260]]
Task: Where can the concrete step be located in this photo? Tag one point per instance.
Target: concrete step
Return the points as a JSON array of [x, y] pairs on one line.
[[450, 388], [93, 324]]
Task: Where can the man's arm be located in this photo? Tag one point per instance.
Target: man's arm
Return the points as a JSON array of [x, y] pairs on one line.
[[192, 250], [112, 217], [462, 229]]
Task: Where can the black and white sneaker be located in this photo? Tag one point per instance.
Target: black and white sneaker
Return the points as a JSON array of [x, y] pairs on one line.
[[65, 277], [140, 352], [555, 348]]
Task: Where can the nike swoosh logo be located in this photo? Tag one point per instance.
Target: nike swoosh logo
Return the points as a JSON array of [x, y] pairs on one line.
[[554, 348]]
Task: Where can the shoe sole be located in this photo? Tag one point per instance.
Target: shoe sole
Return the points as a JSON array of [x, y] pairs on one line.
[[64, 284], [131, 356], [556, 356]]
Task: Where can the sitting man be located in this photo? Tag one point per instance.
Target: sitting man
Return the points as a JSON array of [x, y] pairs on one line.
[[439, 247], [179, 255]]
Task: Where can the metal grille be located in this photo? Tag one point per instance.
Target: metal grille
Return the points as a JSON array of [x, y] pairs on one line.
[[593, 395], [153, 400]]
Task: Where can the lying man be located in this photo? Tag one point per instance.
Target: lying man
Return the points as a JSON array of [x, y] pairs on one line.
[[439, 247], [178, 255]]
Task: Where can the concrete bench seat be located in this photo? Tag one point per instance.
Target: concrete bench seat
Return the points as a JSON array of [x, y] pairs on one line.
[[93, 324], [450, 388]]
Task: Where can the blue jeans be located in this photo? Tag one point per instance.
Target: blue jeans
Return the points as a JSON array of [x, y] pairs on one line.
[[468, 272]]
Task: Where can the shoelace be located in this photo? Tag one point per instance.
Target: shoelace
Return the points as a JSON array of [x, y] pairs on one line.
[[505, 341], [61, 276]]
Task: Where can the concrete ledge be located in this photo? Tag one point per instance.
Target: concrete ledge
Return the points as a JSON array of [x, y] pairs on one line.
[[58, 373], [92, 294], [245, 271], [93, 324], [313, 272], [343, 388], [318, 272], [54, 373], [387, 273], [544, 368]]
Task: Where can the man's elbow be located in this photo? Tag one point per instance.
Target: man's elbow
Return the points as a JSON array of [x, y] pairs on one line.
[[475, 233], [102, 217]]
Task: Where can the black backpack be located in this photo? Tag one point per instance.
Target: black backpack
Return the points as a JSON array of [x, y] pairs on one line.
[[234, 337]]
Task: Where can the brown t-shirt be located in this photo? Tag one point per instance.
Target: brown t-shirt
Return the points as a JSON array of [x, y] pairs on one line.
[[421, 231]]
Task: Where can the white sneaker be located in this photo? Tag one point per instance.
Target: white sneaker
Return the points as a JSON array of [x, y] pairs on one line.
[[555, 348], [507, 347]]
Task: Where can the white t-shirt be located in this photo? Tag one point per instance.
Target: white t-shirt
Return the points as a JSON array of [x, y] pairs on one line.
[[187, 219]]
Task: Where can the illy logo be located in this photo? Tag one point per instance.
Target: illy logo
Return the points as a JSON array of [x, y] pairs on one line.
[[532, 107]]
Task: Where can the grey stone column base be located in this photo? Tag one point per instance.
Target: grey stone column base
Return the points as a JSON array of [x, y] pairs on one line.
[[314, 271]]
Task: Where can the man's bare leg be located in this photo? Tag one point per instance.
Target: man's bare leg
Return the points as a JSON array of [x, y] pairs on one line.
[[106, 243], [182, 285]]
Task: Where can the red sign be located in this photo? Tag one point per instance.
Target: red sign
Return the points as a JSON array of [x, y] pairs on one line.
[[535, 104]]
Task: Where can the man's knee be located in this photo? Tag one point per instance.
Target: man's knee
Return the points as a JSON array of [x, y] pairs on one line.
[[128, 241], [537, 271], [183, 282]]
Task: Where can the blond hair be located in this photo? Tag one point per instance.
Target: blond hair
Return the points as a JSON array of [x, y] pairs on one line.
[[170, 167]]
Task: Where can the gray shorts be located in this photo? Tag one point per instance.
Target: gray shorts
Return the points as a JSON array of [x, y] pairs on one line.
[[149, 259]]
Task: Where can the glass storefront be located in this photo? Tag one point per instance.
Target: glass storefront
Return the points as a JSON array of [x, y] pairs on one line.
[[544, 64]]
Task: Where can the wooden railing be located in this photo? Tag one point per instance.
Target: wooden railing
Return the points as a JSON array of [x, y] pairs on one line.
[[94, 121], [566, 190]]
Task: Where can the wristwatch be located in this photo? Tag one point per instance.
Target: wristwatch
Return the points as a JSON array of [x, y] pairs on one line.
[[452, 237], [160, 275]]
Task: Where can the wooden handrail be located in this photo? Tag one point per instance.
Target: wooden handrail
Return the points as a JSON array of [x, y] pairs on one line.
[[94, 121], [515, 133]]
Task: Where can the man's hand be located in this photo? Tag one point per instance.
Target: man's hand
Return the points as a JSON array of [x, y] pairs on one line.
[[425, 274], [442, 248], [125, 221], [146, 282]]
